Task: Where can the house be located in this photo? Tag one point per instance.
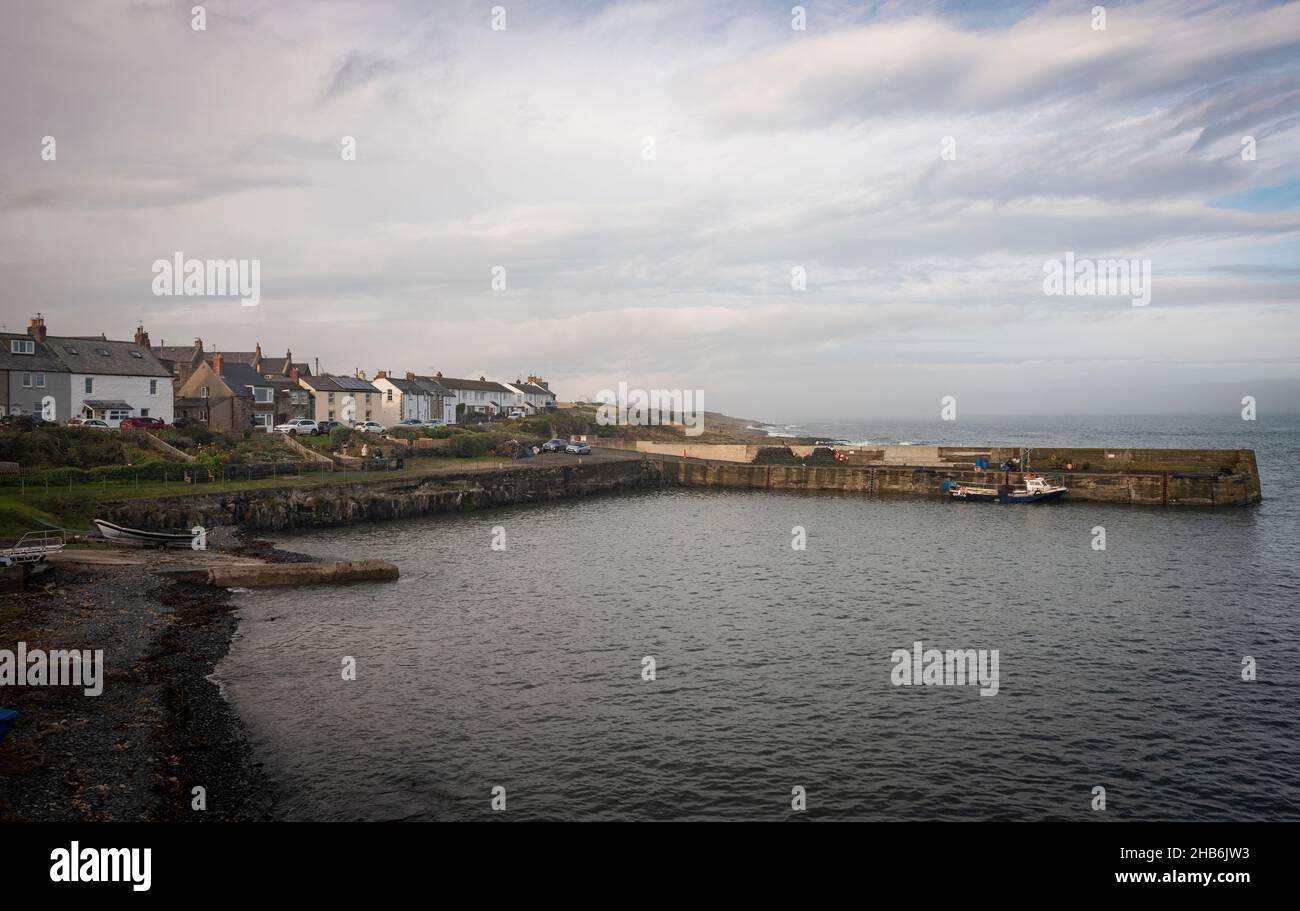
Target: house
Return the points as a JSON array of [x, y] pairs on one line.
[[32, 380], [532, 395], [481, 396], [442, 401], [403, 399], [345, 399], [183, 361], [108, 380], [228, 396]]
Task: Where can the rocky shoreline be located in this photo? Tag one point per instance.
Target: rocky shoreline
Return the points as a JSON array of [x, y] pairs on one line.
[[161, 726]]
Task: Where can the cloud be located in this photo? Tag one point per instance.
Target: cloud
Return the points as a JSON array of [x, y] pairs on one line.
[[774, 150]]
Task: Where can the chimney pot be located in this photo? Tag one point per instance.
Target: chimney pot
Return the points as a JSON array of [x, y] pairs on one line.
[[36, 328], [217, 363], [410, 375]]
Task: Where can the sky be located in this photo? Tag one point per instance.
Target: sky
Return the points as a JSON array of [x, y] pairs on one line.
[[649, 179]]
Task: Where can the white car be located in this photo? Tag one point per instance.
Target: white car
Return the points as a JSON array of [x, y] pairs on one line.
[[90, 424], [297, 426], [369, 426], [433, 423], [517, 413]]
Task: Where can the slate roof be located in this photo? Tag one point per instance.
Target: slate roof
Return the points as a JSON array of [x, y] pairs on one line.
[[41, 359], [105, 358], [477, 385], [327, 382]]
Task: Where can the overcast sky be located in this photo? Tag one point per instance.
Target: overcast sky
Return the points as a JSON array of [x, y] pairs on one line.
[[773, 148]]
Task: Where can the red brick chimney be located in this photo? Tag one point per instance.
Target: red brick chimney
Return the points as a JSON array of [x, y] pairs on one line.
[[141, 337], [217, 363], [293, 374], [36, 328], [410, 375]]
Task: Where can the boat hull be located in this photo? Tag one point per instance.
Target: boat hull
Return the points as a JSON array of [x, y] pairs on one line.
[[120, 534], [1032, 497]]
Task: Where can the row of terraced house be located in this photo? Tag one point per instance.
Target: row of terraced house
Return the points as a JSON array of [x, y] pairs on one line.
[[60, 378]]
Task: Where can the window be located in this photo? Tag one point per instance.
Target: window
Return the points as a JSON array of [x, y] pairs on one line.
[[40, 380], [27, 381], [22, 346], [71, 349], [153, 387], [263, 394], [331, 401], [390, 395], [331, 415], [90, 385], [203, 391], [144, 412], [137, 355], [103, 352]]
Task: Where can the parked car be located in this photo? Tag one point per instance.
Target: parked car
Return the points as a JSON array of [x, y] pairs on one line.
[[555, 445], [369, 426], [90, 424], [324, 427], [298, 426], [578, 449], [517, 413], [411, 422], [142, 424], [183, 422]]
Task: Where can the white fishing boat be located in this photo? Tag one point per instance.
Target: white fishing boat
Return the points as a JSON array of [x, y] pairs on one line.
[[137, 537], [1035, 489]]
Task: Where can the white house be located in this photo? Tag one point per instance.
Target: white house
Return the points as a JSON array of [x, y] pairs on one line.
[[481, 396], [111, 380], [403, 399], [533, 395]]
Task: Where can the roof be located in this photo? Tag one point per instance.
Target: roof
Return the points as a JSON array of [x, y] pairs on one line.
[[327, 382], [433, 387], [173, 352], [102, 404], [533, 389], [238, 375], [41, 357], [105, 358], [406, 385], [478, 385], [276, 365]]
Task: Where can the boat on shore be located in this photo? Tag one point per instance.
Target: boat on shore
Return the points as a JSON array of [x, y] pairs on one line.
[[1036, 489], [138, 537]]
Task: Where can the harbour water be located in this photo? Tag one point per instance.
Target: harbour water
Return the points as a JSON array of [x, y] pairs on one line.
[[522, 668]]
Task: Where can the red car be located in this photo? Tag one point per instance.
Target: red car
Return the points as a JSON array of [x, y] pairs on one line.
[[143, 424]]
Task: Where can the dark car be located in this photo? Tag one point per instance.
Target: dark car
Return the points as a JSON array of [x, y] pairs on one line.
[[183, 422], [556, 445], [142, 424], [324, 427]]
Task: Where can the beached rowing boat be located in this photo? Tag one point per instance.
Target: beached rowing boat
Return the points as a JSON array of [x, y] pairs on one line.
[[120, 534]]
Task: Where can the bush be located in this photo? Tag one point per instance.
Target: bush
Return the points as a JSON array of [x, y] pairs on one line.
[[340, 435]]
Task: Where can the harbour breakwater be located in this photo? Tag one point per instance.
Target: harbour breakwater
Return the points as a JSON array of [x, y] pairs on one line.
[[346, 503], [1148, 477]]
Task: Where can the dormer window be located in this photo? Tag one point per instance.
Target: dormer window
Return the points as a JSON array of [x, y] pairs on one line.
[[137, 355], [103, 352], [70, 349], [22, 346]]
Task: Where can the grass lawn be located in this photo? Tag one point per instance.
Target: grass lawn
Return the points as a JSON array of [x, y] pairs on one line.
[[37, 509]]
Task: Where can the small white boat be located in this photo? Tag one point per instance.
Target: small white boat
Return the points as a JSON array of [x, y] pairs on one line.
[[120, 534], [1035, 490]]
